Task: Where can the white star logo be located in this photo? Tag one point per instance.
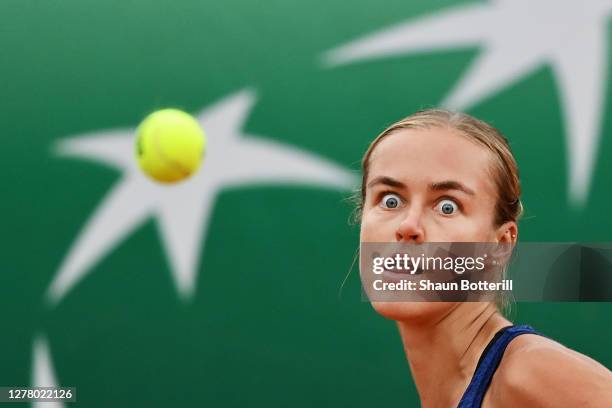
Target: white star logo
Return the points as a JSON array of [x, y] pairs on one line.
[[516, 37], [43, 373], [182, 211]]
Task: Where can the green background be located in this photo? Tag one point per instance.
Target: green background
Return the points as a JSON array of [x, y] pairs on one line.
[[122, 336]]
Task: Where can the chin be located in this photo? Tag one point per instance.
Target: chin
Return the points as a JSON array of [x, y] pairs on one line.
[[414, 312]]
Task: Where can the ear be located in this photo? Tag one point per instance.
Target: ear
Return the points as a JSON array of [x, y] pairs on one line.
[[507, 233]]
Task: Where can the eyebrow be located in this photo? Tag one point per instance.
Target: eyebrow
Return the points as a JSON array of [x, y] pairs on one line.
[[438, 186]]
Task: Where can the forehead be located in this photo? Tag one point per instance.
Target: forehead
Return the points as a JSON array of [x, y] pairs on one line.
[[422, 156]]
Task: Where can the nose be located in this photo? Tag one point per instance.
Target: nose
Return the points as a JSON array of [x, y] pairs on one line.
[[410, 229]]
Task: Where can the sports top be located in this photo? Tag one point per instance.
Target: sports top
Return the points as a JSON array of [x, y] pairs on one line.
[[488, 363]]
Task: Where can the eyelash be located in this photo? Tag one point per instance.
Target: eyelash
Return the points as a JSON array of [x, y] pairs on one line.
[[381, 195], [444, 197]]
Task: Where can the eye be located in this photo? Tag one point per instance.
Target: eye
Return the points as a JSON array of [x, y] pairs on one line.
[[391, 201], [447, 207]]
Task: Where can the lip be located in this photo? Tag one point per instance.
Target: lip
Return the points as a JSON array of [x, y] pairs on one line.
[[397, 276], [418, 271]]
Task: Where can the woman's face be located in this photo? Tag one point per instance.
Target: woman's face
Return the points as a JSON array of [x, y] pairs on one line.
[[429, 185]]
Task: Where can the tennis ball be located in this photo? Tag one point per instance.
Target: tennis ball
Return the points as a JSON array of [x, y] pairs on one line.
[[170, 145]]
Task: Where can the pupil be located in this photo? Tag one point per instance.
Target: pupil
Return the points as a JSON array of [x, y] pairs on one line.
[[391, 203], [447, 208]]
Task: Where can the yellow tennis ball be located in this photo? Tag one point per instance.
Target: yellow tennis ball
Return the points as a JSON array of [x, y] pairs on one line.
[[170, 145]]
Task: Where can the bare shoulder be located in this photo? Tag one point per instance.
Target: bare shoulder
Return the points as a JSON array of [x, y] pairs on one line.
[[539, 372]]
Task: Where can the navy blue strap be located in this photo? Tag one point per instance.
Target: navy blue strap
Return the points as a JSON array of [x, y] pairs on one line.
[[489, 361]]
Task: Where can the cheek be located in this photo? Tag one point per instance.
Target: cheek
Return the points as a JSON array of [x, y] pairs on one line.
[[366, 231], [462, 229], [377, 228], [468, 229]]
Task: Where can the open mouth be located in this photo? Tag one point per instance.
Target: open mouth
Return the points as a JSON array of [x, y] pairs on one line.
[[406, 265], [402, 270]]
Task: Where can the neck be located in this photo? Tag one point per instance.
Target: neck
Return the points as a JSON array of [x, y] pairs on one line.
[[443, 354]]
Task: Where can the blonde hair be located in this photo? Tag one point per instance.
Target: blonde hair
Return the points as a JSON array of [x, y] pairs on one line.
[[504, 170]]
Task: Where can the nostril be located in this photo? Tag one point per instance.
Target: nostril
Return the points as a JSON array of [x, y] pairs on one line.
[[410, 229], [408, 238]]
